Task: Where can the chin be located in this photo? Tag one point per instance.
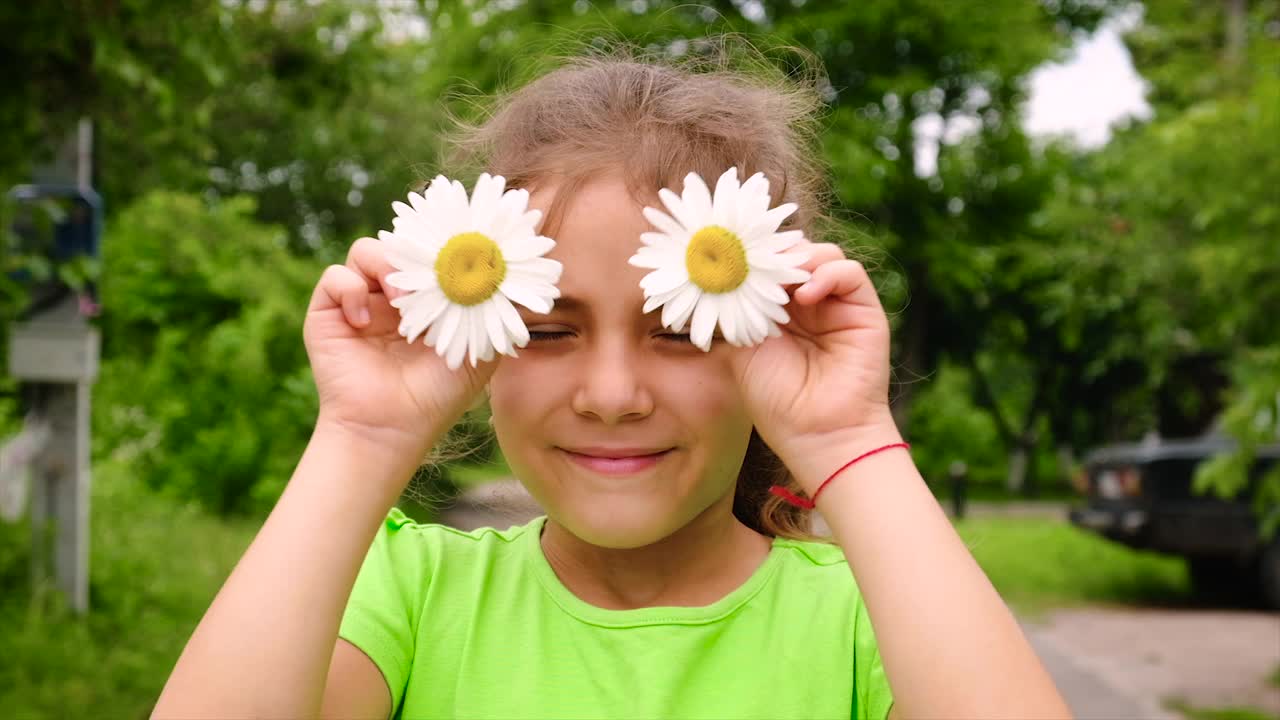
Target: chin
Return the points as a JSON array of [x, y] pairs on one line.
[[622, 525]]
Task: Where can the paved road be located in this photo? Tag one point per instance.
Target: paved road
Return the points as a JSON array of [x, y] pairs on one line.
[[1208, 658], [1109, 663]]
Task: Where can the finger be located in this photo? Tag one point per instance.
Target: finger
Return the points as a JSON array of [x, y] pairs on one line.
[[368, 259], [340, 286], [820, 254], [843, 279]]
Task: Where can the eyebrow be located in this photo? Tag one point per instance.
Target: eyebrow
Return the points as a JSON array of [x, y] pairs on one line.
[[570, 303]]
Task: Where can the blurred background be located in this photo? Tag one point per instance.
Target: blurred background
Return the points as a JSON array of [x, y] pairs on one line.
[[1070, 207]]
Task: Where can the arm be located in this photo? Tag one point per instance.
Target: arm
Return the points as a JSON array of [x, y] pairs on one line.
[[950, 646], [820, 396], [264, 646]]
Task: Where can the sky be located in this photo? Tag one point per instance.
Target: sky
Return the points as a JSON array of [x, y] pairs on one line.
[[1079, 97], [1093, 88]]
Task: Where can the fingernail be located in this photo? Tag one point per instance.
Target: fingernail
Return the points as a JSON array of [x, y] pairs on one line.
[[363, 316]]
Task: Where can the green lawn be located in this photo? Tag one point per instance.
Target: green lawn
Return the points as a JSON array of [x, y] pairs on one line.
[[1037, 564], [1225, 713], [156, 566]]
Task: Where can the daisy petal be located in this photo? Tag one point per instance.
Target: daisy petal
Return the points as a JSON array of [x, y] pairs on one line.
[[485, 198], [659, 241], [664, 222], [458, 205], [650, 260], [456, 349], [526, 248], [679, 212], [724, 209], [655, 301], [419, 204], [756, 321], [705, 315], [478, 338], [769, 291], [696, 196], [509, 213], [412, 280], [521, 293], [425, 310], [664, 280], [403, 211], [493, 326], [778, 242], [543, 269], [754, 193], [790, 276], [449, 323], [729, 320], [511, 320], [772, 220], [676, 312]]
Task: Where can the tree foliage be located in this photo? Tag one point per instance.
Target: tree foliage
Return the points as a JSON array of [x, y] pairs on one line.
[[1042, 297]]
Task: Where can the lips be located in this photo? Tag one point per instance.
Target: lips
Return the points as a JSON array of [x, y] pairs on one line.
[[616, 460], [616, 452]]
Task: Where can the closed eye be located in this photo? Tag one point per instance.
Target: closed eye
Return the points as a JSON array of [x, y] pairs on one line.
[[548, 335], [553, 335]]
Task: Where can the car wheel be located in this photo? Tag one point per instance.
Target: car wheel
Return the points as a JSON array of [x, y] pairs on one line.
[[1269, 574], [1218, 580]]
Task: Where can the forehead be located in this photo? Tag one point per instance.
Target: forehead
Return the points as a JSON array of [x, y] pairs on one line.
[[597, 231]]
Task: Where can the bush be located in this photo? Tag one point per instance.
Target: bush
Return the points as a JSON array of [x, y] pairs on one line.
[[205, 387]]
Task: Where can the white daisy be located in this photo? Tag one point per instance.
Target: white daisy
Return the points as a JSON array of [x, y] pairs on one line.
[[463, 263], [719, 260]]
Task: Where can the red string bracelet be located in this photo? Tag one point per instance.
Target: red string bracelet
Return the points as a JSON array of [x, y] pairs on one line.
[[808, 504]]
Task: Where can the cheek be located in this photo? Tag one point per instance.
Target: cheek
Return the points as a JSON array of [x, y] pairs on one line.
[[506, 401], [515, 407], [703, 388]]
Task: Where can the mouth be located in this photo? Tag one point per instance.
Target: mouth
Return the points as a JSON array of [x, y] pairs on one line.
[[616, 461]]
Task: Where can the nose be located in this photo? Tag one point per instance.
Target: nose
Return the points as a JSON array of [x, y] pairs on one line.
[[612, 388]]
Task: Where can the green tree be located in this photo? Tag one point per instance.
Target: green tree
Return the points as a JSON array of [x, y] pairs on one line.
[[205, 386], [1185, 207]]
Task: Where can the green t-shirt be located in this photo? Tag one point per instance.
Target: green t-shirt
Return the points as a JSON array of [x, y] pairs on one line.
[[477, 625]]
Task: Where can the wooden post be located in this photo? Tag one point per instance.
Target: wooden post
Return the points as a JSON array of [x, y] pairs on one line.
[[55, 355], [58, 357]]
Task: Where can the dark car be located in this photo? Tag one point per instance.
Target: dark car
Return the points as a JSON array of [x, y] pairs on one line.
[[1141, 495]]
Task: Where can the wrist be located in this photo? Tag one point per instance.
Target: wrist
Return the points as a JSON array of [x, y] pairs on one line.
[[406, 444], [813, 459], [384, 458]]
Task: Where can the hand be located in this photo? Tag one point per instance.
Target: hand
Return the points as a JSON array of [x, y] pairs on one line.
[[370, 380], [824, 384]]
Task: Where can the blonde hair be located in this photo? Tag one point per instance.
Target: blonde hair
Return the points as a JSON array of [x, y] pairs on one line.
[[657, 119]]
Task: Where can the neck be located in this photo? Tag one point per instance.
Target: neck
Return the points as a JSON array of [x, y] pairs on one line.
[[697, 565]]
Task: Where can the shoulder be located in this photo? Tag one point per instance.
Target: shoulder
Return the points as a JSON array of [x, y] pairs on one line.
[[816, 570], [405, 537], [815, 553]]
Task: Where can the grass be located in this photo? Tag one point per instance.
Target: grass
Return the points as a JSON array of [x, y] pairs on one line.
[[468, 475], [1225, 713], [1037, 564], [156, 566]]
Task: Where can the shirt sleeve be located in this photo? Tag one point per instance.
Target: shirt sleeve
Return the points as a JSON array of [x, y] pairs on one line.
[[382, 612], [871, 689]]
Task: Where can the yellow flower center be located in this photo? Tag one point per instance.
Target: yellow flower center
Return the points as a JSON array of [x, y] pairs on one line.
[[470, 268], [716, 260]]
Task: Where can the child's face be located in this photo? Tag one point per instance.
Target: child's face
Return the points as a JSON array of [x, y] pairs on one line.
[[600, 378]]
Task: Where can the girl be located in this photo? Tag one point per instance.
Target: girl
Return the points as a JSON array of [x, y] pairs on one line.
[[664, 580]]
